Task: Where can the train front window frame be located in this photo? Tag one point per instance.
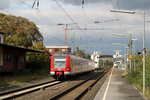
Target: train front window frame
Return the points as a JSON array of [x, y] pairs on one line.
[[59, 61]]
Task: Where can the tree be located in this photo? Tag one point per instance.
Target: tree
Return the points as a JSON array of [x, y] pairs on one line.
[[81, 53], [37, 60], [19, 31]]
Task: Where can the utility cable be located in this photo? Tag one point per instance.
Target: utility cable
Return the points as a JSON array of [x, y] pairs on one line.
[[71, 19]]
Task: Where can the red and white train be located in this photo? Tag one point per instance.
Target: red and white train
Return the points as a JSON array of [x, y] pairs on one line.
[[63, 65]]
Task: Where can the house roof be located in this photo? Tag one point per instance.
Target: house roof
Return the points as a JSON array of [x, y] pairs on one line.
[[19, 48], [2, 33]]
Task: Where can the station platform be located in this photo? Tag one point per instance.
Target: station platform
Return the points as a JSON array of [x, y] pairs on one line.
[[117, 88]]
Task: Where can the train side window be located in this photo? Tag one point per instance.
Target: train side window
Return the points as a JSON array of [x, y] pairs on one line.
[[71, 62]]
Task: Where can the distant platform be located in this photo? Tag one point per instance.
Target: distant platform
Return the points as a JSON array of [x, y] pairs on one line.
[[117, 88]]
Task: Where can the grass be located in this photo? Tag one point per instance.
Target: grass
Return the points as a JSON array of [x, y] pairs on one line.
[[22, 77], [147, 93], [137, 82]]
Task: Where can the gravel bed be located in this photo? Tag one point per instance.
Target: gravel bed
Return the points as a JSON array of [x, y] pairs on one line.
[[53, 90], [8, 88]]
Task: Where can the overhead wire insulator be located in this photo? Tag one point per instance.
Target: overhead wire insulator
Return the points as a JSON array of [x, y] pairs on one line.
[[33, 4], [37, 3], [82, 3]]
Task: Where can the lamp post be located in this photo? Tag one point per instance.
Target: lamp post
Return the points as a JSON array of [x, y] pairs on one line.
[[134, 52], [133, 12], [66, 30]]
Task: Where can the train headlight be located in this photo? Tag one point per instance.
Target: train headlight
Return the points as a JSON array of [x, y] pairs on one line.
[[52, 69], [67, 68]]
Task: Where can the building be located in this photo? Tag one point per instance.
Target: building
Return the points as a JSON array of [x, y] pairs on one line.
[[57, 49], [117, 54], [95, 57], [12, 57], [119, 60]]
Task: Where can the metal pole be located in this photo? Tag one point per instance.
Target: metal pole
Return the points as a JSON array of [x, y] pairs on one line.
[[143, 52], [74, 42], [125, 60], [134, 56], [130, 48], [66, 35]]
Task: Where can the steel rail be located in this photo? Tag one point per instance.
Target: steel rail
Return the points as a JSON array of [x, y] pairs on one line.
[[61, 94], [89, 87], [25, 90]]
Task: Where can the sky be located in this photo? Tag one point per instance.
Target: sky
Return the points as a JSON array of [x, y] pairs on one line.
[[97, 36]]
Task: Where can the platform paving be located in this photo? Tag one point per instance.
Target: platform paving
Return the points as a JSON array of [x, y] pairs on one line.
[[117, 88]]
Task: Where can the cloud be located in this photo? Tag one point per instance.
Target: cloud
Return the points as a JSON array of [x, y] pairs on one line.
[[47, 20], [134, 4], [79, 2], [119, 4], [4, 4]]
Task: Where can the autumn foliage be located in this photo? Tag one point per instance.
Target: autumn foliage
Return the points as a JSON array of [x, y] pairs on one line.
[[19, 31]]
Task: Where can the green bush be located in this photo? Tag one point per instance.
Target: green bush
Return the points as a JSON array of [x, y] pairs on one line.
[[136, 76], [37, 60]]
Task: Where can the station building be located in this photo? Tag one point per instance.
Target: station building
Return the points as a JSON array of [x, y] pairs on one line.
[[57, 50], [12, 57]]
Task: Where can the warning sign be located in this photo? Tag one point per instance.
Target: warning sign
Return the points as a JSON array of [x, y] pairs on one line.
[[130, 56]]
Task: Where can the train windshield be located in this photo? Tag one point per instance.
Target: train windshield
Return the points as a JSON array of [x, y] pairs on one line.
[[59, 61]]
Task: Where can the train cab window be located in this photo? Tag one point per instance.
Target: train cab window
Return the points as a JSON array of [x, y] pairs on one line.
[[60, 61], [56, 50]]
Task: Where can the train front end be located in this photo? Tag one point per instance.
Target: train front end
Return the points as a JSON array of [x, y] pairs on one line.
[[60, 65]]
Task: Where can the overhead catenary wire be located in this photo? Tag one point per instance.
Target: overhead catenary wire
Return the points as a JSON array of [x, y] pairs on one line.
[[38, 12], [71, 19], [59, 29], [84, 12], [121, 29]]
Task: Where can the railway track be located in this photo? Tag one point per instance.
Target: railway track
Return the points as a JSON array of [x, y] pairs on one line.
[[25, 90], [78, 91]]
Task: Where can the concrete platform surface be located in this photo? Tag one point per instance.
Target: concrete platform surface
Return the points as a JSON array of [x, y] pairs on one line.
[[117, 88]]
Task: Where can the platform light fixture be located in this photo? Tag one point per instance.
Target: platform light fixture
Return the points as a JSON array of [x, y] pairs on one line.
[[141, 12]]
